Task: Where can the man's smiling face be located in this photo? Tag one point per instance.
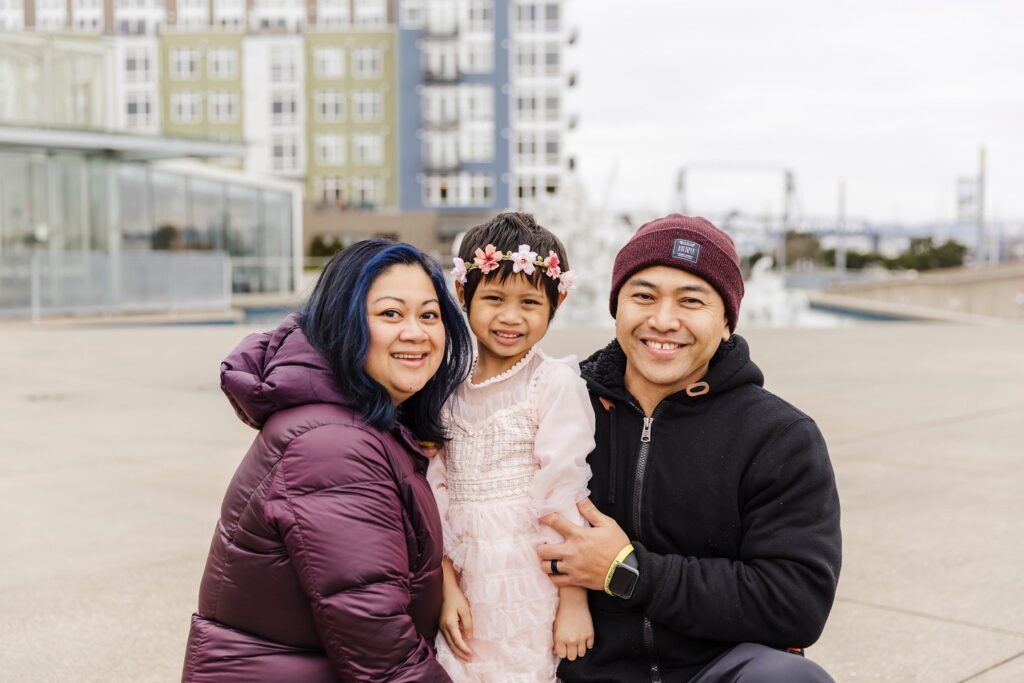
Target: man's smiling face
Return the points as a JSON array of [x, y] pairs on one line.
[[669, 323]]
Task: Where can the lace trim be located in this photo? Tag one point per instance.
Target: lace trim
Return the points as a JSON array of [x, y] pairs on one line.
[[505, 375]]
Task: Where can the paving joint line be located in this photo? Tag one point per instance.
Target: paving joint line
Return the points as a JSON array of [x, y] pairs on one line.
[[956, 419], [933, 617], [991, 668]]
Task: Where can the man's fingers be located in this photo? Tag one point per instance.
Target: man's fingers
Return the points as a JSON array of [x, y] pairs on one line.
[[590, 643], [561, 524], [581, 648], [560, 650], [551, 551], [590, 513]]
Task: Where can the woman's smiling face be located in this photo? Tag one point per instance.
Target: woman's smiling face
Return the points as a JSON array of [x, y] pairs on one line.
[[407, 336]]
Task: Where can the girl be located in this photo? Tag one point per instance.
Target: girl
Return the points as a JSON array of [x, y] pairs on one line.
[[520, 431]]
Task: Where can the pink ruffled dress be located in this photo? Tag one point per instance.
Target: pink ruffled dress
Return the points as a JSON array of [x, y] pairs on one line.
[[518, 451]]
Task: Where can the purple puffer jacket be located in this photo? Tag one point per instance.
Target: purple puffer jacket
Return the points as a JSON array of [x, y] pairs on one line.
[[326, 562]]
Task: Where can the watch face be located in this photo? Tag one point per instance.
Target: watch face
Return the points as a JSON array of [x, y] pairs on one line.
[[623, 581]]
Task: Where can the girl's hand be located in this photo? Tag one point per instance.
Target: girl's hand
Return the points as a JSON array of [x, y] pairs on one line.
[[456, 617], [573, 629]]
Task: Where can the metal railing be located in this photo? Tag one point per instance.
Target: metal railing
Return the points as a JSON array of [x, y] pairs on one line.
[[46, 283]]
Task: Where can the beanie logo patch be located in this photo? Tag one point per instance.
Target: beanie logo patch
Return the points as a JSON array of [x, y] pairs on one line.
[[685, 250]]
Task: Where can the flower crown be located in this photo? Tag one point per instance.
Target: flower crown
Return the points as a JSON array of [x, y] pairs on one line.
[[489, 258]]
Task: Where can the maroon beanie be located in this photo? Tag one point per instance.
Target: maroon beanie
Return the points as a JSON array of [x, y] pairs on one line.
[[690, 244]]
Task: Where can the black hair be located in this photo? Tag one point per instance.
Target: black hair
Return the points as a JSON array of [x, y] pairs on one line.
[[506, 232], [334, 320]]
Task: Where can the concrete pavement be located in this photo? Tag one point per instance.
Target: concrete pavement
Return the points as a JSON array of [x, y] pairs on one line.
[[116, 446]]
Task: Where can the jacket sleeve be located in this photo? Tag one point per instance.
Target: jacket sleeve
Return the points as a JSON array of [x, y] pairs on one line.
[[437, 477], [336, 503], [780, 590], [565, 437]]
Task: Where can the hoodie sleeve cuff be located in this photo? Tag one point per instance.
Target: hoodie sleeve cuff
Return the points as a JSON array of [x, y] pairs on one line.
[[650, 566]]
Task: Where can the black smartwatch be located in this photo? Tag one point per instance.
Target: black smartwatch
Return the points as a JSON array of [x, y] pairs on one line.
[[624, 576]]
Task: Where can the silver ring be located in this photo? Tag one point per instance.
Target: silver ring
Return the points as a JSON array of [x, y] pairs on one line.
[[554, 567]]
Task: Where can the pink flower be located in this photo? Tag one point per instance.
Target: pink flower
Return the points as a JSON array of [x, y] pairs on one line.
[[523, 260], [567, 281], [551, 263], [487, 259], [459, 271]]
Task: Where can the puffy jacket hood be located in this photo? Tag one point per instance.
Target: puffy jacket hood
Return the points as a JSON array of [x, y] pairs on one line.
[[730, 367], [271, 371]]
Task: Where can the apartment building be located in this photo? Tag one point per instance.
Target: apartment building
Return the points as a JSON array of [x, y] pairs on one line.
[[440, 107]]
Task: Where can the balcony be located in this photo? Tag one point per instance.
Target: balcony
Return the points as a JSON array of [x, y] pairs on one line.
[[444, 122], [440, 163], [441, 26], [441, 73]]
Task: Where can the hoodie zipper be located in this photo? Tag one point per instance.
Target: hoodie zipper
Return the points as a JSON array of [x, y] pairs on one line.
[[638, 490]]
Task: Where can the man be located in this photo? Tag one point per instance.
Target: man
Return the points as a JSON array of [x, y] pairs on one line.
[[715, 547]]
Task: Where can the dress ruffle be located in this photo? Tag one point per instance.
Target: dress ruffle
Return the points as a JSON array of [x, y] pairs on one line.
[[512, 600]]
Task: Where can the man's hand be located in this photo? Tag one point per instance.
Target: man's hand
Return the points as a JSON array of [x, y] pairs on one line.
[[586, 553]]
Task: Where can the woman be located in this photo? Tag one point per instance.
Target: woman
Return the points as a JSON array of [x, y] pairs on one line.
[[326, 562]]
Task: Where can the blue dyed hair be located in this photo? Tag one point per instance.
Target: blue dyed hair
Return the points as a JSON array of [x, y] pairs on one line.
[[335, 322]]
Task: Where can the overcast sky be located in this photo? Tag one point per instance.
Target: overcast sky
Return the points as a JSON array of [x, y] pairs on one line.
[[894, 97]]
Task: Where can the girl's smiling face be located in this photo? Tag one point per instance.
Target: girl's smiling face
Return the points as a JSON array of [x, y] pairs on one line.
[[507, 318]]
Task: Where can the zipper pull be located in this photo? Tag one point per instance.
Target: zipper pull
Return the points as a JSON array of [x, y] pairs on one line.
[[645, 437]]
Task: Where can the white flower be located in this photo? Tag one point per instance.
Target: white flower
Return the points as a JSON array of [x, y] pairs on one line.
[[566, 281], [523, 260], [459, 271]]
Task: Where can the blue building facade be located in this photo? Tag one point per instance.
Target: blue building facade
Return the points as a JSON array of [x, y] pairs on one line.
[[453, 109]]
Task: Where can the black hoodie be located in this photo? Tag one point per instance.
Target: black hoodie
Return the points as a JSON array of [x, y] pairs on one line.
[[733, 510]]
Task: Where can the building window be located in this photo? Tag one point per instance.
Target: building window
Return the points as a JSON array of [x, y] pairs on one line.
[[552, 107], [370, 13], [552, 59], [137, 65], [526, 187], [332, 12], [185, 107], [330, 149], [526, 17], [366, 192], [329, 62], [526, 106], [367, 62], [525, 61], [331, 190], [367, 105], [368, 149], [283, 107], [282, 65], [481, 189], [285, 152], [223, 107], [477, 103], [138, 109], [477, 145], [329, 105], [480, 16], [551, 151], [477, 56], [551, 16], [526, 149], [412, 14], [184, 63], [222, 63]]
